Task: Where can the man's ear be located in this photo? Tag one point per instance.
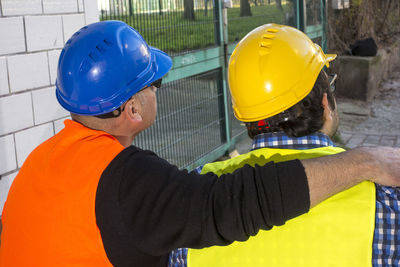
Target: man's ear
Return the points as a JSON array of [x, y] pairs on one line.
[[133, 110], [330, 119], [325, 103], [328, 115]]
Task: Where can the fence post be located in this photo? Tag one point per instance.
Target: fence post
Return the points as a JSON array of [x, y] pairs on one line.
[[324, 18], [224, 38], [217, 24], [301, 15], [221, 35]]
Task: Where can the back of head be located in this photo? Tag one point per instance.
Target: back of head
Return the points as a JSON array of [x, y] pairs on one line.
[[271, 69], [103, 64], [304, 118]]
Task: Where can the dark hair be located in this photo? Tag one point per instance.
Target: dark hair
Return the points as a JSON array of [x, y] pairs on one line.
[[304, 118]]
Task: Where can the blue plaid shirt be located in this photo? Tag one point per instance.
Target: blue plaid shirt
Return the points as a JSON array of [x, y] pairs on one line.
[[281, 140], [178, 258], [386, 243]]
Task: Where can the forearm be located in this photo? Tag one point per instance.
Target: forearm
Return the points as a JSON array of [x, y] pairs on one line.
[[332, 174]]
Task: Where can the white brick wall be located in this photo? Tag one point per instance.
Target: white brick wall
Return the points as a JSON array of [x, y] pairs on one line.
[[5, 184], [28, 71], [7, 154], [21, 7], [53, 61], [91, 11], [15, 113], [60, 6], [59, 124], [32, 34], [12, 35], [43, 32], [3, 77], [80, 6], [28, 140], [46, 107], [71, 24]]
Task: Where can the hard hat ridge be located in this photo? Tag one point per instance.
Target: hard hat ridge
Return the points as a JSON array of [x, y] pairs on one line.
[[103, 65]]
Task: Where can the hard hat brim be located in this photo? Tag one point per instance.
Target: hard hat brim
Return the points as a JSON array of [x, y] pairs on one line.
[[164, 63]]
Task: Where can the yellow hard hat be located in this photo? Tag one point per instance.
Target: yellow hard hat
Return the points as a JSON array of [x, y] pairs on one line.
[[272, 68]]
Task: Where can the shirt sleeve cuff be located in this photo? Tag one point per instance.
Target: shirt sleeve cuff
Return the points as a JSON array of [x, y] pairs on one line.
[[294, 188]]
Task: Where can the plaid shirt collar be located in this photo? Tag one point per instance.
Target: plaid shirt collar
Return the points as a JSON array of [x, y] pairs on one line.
[[283, 141]]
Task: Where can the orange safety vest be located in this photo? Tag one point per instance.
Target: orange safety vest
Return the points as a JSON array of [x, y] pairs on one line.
[[49, 217]]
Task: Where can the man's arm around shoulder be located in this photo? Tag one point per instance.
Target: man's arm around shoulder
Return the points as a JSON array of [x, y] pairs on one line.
[[332, 174]]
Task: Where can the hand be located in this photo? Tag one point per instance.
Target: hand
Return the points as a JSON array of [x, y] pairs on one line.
[[385, 165]]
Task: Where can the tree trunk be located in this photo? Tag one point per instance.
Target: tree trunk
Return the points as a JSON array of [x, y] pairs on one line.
[[279, 4], [130, 7], [160, 7], [205, 8], [245, 8], [188, 9]]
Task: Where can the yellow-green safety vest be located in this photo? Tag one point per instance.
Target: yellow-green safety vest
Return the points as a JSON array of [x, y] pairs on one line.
[[337, 232]]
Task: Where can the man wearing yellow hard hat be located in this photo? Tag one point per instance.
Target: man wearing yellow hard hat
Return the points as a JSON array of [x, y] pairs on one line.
[[280, 90]]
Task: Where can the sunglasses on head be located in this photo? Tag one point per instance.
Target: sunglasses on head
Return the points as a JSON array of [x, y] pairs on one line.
[[332, 82], [156, 83], [115, 113]]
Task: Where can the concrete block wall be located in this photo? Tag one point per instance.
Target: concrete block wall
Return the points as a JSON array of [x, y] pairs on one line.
[[359, 77], [33, 32]]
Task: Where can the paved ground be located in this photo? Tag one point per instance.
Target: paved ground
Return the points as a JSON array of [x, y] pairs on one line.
[[366, 123], [373, 123]]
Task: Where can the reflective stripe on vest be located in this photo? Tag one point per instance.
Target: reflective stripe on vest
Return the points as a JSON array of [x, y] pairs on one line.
[[49, 216], [337, 232]]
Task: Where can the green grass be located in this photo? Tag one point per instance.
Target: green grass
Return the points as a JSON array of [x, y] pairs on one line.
[[238, 26], [173, 34]]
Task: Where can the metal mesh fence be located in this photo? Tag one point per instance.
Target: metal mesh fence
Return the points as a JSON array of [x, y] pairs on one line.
[[313, 12], [162, 23], [189, 119], [237, 127]]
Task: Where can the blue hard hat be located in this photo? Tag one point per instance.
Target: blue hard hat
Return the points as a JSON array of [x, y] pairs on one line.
[[103, 64]]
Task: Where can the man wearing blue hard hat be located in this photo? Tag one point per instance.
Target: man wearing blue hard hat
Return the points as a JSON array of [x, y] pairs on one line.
[[87, 197]]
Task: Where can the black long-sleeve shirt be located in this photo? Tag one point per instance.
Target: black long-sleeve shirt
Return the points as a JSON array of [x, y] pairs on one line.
[[146, 207]]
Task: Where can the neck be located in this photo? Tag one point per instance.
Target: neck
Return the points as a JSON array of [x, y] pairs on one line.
[[125, 140], [120, 130]]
